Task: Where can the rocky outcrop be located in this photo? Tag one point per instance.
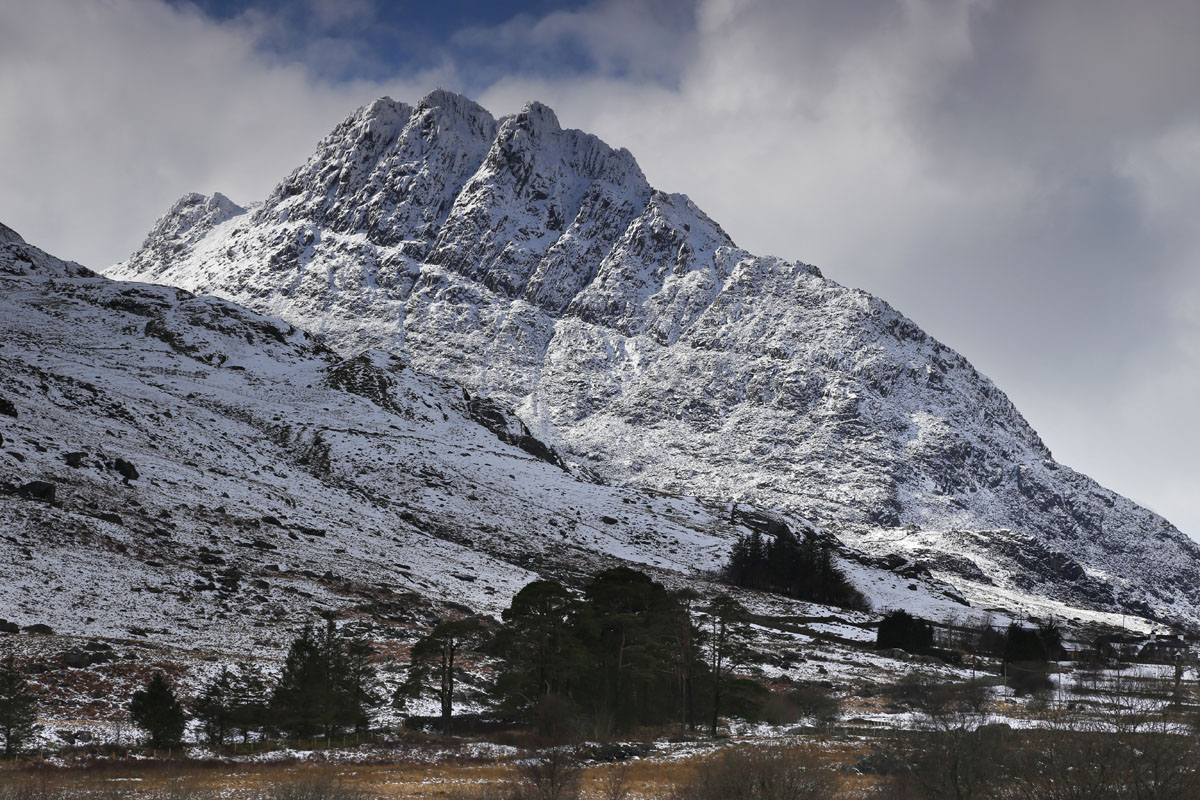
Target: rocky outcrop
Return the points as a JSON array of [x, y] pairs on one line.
[[510, 429], [18, 258]]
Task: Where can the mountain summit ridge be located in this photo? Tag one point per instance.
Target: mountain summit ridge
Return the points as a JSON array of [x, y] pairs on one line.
[[537, 265]]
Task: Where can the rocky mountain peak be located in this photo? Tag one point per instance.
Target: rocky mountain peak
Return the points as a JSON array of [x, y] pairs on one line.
[[536, 119], [19, 258], [193, 215], [185, 224], [535, 265], [380, 120], [456, 107]]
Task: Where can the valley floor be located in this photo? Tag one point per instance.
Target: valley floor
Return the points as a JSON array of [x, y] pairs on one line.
[[1101, 728], [424, 772]]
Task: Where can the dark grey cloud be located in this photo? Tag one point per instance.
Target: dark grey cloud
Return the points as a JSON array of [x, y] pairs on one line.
[[634, 40], [1020, 177], [1016, 176]]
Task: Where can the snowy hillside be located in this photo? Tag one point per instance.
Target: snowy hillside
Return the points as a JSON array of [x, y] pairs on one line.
[[178, 470], [536, 266]]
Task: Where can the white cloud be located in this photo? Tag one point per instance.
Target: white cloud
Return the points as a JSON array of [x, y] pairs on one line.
[[112, 111], [1018, 177]]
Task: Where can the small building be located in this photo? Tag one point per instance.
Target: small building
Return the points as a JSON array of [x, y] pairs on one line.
[[1164, 650], [1118, 646]]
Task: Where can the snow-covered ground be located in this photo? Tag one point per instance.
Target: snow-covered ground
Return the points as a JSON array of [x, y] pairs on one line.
[[277, 482], [274, 481]]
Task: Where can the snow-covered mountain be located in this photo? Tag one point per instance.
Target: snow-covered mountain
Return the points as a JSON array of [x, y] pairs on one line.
[[536, 266], [177, 471]]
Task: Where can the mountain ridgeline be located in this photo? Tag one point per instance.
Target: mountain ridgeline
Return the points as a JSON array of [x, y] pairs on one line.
[[537, 267]]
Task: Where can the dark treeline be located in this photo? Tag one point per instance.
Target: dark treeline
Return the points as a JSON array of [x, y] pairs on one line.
[[327, 687], [902, 630], [620, 653], [802, 568], [623, 652], [1012, 644], [18, 714], [1024, 652]]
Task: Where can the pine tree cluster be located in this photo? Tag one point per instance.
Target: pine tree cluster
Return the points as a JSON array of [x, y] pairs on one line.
[[623, 652], [327, 687], [801, 568], [901, 630]]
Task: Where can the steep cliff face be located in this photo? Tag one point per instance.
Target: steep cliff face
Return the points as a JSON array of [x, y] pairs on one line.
[[535, 265]]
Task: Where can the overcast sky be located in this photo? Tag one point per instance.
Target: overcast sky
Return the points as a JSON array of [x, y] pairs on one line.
[[1021, 177]]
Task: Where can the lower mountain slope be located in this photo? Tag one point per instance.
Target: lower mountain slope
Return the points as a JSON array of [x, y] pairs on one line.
[[180, 470]]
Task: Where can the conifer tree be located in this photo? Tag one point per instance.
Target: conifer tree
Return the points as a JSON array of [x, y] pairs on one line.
[[433, 663], [899, 629], [357, 682], [727, 647], [301, 699], [539, 649], [157, 711], [628, 622], [1024, 645], [687, 661], [326, 685], [214, 707], [249, 701], [18, 723], [624, 653], [803, 568]]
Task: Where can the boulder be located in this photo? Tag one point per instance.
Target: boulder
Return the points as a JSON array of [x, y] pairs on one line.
[[75, 459], [75, 658], [7, 408], [38, 490], [127, 470]]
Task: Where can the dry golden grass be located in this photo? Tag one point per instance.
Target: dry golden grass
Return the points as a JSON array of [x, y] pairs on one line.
[[454, 779]]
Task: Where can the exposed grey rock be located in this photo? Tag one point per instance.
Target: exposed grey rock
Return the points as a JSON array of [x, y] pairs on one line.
[[38, 490], [19, 258], [125, 469], [510, 429]]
